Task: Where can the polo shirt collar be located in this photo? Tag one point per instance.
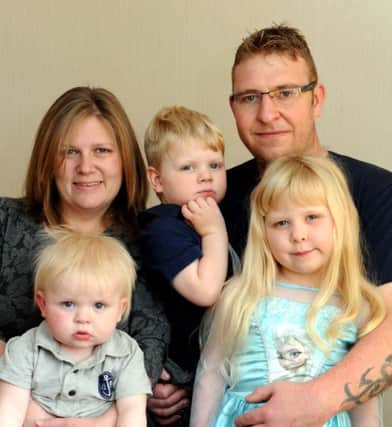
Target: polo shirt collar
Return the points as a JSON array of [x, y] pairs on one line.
[[115, 347]]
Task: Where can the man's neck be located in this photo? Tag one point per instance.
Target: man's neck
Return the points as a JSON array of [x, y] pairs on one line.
[[317, 150]]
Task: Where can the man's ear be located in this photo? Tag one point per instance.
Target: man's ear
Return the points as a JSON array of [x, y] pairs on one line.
[[155, 179], [318, 99], [231, 106], [41, 302]]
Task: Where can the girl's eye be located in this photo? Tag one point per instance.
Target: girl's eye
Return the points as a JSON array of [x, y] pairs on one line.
[[281, 223], [99, 305], [68, 304]]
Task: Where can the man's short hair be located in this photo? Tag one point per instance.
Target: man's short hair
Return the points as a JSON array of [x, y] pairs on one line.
[[177, 124], [278, 39]]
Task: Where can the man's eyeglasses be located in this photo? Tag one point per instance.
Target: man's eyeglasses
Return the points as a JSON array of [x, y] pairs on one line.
[[283, 97]]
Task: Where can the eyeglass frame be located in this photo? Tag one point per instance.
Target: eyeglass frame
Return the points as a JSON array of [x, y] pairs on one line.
[[301, 89]]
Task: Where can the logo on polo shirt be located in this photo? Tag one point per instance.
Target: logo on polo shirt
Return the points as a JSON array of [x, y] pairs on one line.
[[105, 385]]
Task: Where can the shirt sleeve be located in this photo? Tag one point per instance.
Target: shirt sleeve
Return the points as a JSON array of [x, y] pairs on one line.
[[371, 188], [376, 223], [133, 379], [16, 364], [169, 245]]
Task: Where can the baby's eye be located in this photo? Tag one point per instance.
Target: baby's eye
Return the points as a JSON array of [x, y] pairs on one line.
[[186, 167], [68, 304], [99, 305]]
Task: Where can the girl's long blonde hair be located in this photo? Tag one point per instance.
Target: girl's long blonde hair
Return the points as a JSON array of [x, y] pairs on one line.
[[306, 180]]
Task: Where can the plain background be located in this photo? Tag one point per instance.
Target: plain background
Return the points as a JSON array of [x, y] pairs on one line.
[[153, 53]]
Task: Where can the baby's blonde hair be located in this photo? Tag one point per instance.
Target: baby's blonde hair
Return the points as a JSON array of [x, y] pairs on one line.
[[101, 262], [305, 180], [178, 125]]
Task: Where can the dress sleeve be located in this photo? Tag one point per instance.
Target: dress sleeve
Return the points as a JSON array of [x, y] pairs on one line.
[[208, 388]]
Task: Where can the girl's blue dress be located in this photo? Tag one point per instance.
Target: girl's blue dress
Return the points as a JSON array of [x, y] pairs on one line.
[[278, 348]]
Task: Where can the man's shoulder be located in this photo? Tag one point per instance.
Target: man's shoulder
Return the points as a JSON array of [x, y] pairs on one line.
[[357, 169], [242, 178], [248, 168]]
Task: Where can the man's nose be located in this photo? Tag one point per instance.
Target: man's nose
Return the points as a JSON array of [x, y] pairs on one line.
[[267, 111]]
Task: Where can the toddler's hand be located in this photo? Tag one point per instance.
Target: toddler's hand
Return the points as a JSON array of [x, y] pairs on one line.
[[204, 215]]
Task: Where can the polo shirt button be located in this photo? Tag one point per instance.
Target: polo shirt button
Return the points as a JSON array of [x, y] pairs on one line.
[[76, 371], [72, 393]]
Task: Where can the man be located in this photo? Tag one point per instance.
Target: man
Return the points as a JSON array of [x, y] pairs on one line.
[[276, 100]]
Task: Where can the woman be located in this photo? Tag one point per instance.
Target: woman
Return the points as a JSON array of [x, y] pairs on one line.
[[86, 171]]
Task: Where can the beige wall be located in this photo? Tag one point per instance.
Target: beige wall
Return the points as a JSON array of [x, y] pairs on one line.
[[152, 53]]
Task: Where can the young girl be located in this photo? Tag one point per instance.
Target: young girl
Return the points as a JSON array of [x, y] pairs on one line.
[[301, 300]]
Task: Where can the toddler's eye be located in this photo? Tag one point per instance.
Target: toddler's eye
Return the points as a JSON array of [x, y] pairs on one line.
[[215, 165]]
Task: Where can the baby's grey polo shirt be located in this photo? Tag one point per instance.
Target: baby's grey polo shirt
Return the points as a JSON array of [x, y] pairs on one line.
[[67, 389]]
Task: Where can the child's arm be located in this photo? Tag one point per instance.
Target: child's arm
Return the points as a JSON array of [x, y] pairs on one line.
[[13, 404], [108, 419], [131, 411], [201, 281], [368, 414]]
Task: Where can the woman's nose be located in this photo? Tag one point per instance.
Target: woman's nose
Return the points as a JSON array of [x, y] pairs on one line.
[[85, 163]]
